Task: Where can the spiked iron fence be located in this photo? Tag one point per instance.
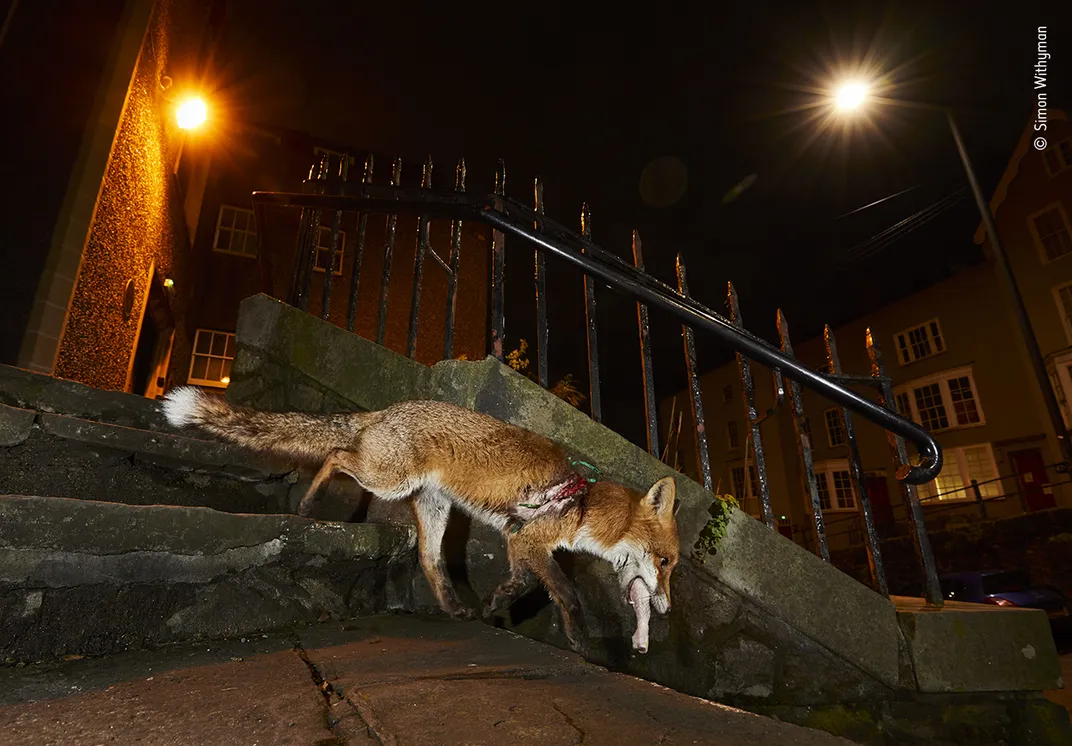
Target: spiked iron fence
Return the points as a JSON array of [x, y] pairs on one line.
[[330, 192]]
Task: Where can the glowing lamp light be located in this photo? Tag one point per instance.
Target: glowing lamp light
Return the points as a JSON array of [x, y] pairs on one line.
[[191, 113], [169, 283], [225, 379], [850, 95]]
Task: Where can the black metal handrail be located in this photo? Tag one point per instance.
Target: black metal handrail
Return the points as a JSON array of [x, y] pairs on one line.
[[515, 219]]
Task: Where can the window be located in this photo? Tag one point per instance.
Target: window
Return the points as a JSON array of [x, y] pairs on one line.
[[213, 354], [942, 402], [962, 465], [1050, 228], [835, 427], [920, 342], [236, 232], [834, 485], [323, 250], [1058, 157], [727, 393], [1063, 295], [739, 488], [732, 435]]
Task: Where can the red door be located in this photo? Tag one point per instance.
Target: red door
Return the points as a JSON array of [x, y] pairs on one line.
[[879, 494], [1032, 475]]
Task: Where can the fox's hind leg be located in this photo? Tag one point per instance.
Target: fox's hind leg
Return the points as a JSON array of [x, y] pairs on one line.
[[432, 510], [520, 582], [336, 461], [563, 592]]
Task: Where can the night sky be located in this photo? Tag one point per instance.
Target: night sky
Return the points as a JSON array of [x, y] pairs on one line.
[[587, 97]]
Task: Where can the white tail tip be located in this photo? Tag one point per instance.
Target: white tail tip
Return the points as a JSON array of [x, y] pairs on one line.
[[181, 406]]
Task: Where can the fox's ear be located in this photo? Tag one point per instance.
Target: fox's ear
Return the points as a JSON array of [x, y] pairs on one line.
[[660, 497]]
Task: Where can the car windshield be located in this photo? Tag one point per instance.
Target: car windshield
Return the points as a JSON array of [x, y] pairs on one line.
[[1006, 582]]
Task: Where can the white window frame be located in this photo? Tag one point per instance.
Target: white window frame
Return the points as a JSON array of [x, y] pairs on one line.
[[221, 384], [825, 470], [926, 326], [942, 379], [219, 225], [325, 235], [1061, 378], [841, 424], [1059, 206], [954, 458], [1056, 148], [1066, 315]]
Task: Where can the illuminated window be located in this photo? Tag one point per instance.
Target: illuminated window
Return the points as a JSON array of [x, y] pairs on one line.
[[961, 466], [834, 483], [1051, 232], [835, 427], [323, 250], [919, 342], [942, 402], [1058, 157], [213, 354], [236, 232]]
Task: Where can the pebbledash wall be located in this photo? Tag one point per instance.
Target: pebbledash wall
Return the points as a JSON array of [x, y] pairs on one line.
[[762, 624]]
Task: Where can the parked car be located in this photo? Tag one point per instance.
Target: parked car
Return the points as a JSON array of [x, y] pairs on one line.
[[1010, 588]]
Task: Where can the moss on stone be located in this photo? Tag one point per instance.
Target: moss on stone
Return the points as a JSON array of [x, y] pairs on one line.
[[715, 529]]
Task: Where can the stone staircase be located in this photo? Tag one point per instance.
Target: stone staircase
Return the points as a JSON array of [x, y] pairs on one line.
[[117, 533]]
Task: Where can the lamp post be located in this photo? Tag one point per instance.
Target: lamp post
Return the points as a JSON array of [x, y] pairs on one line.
[[851, 96]]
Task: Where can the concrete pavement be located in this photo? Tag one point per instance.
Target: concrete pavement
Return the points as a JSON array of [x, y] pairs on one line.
[[379, 680]]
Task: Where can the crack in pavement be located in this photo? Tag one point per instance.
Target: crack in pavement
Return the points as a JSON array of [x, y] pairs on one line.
[[570, 722], [353, 699]]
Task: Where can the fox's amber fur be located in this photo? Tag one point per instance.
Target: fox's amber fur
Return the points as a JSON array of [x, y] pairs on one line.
[[441, 455]]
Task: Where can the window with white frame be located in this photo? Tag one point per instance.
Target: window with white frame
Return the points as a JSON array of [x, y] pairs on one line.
[[1051, 231], [835, 426], [942, 402], [961, 466], [1061, 377], [1058, 157], [732, 436], [236, 232], [323, 251], [214, 353], [834, 485], [1063, 295], [919, 342]]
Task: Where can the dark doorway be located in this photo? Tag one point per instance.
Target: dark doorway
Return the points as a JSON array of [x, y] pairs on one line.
[[154, 342]]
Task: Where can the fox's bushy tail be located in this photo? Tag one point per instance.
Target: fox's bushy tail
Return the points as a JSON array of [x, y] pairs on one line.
[[296, 434]]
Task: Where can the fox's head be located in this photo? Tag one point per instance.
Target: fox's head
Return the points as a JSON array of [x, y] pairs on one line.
[[653, 544]]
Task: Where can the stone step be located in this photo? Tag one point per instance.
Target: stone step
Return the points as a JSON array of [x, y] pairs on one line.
[[57, 455], [80, 577], [27, 389]]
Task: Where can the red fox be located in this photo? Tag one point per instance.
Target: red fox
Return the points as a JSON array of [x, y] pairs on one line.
[[441, 455]]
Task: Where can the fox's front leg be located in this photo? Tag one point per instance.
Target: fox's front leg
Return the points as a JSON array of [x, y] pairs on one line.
[[432, 511], [561, 589]]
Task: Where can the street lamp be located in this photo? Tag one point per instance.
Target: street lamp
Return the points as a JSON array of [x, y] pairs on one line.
[[849, 97], [191, 113]]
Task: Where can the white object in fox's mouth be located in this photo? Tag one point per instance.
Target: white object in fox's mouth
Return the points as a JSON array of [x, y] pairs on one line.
[[640, 599]]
